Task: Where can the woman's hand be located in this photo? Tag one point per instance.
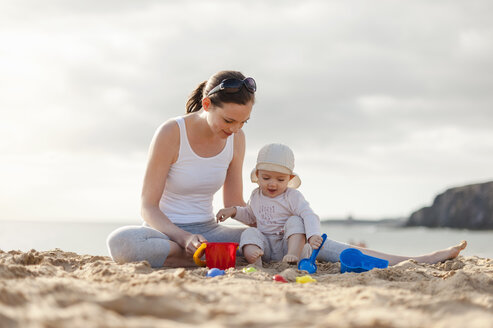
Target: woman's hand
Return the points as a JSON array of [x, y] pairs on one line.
[[193, 242], [225, 213], [315, 241]]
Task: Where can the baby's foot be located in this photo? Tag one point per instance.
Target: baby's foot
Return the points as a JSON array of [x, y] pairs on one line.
[[290, 258], [307, 251], [253, 254]]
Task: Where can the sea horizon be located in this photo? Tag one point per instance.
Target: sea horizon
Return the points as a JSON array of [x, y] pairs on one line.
[[90, 237]]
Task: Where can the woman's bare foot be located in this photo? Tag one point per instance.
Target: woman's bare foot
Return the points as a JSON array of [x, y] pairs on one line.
[[253, 254], [455, 250], [290, 258], [443, 255], [431, 258]]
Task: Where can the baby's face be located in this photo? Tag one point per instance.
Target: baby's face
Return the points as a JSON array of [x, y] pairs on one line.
[[272, 183]]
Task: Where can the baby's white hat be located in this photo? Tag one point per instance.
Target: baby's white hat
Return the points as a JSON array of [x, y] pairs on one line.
[[278, 158]]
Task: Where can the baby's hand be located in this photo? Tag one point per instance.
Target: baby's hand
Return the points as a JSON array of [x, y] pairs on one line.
[[225, 213], [315, 241]]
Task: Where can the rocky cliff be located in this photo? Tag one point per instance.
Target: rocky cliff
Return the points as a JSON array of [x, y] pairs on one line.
[[467, 207]]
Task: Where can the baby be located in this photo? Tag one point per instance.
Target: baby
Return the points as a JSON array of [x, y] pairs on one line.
[[283, 217]]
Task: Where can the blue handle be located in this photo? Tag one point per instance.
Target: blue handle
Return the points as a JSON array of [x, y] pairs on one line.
[[315, 251]]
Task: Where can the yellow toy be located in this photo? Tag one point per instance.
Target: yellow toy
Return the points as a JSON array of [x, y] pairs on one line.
[[305, 279]]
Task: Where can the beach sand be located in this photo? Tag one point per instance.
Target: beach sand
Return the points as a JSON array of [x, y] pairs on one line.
[[64, 289]]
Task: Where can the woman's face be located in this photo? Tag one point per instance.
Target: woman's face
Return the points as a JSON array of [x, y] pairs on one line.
[[228, 118]]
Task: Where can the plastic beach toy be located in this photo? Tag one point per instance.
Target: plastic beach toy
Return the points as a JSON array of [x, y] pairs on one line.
[[215, 272], [279, 278], [308, 264], [249, 270], [217, 255], [305, 279], [353, 260]]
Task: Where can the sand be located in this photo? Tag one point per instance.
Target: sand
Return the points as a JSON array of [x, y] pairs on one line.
[[64, 289]]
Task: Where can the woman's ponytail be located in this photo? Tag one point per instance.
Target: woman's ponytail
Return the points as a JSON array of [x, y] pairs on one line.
[[194, 103]]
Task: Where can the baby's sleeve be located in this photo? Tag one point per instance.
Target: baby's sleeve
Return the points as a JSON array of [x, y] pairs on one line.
[[302, 208], [244, 214]]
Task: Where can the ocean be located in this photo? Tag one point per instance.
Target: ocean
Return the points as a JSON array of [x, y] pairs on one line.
[[90, 237]]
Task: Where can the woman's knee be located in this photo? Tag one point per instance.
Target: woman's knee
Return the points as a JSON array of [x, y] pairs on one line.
[[121, 244], [331, 250], [137, 243]]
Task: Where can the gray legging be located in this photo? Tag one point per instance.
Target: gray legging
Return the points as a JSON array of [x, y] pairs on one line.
[[331, 250], [139, 243]]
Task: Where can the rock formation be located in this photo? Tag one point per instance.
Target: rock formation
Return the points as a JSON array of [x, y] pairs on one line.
[[466, 207]]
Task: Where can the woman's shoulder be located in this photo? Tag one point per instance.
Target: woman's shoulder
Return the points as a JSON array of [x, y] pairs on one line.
[[167, 137], [168, 129]]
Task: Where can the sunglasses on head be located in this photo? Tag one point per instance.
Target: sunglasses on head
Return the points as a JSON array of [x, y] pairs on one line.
[[234, 86]]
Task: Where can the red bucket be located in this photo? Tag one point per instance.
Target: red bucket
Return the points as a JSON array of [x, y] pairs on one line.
[[217, 255]]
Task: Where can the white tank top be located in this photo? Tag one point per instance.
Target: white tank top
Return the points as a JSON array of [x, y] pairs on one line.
[[193, 180]]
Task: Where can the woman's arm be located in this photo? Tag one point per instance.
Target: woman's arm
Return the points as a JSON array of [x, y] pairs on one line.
[[163, 153], [233, 184]]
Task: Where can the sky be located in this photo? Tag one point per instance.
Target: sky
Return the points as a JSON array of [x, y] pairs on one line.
[[384, 103]]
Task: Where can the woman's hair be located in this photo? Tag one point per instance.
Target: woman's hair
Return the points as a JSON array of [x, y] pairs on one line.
[[194, 103]]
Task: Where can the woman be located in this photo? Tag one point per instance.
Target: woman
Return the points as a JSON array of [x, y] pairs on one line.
[[190, 158]]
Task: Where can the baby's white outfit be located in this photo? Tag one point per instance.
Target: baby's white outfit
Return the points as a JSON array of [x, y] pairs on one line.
[[277, 218]]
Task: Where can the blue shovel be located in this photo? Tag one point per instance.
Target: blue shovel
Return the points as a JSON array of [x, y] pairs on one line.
[[308, 264]]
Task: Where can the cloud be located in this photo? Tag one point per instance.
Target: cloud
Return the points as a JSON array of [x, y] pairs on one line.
[[381, 92]]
